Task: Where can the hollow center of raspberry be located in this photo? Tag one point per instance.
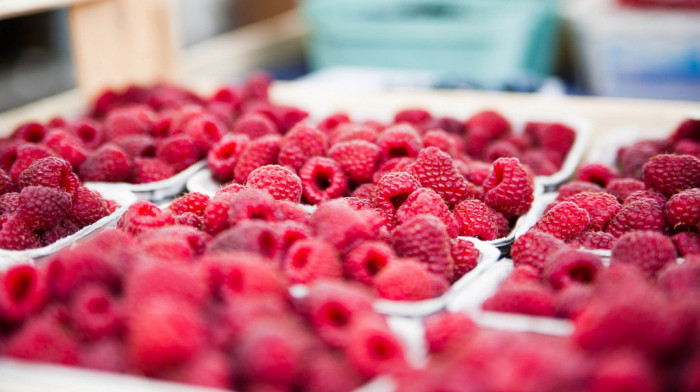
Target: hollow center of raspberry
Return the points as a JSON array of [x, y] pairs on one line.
[[227, 151], [337, 315], [301, 258], [581, 273], [235, 281], [211, 131], [98, 305], [322, 180], [20, 285], [397, 151], [398, 200], [375, 263], [267, 244], [34, 134], [86, 134], [380, 348]]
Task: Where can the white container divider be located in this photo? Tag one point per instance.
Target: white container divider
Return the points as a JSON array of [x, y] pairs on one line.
[[9, 258]]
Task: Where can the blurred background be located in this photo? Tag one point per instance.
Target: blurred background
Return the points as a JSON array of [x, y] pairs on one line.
[[623, 48]]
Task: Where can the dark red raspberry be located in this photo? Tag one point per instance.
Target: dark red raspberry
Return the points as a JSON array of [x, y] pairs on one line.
[[32, 132], [601, 207], [251, 204], [404, 280], [424, 238], [61, 230], [622, 188], [216, 213], [205, 131], [254, 125], [593, 240], [639, 215], [686, 243], [648, 196], [109, 163], [681, 278], [259, 152], [564, 221], [482, 128], [250, 235], [6, 183], [145, 170], [393, 189], [190, 219], [50, 172], [281, 182], [190, 202], [500, 149], [358, 158], [26, 154], [435, 169], [178, 151], [134, 120], [533, 300], [539, 162], [596, 173], [533, 248], [687, 147], [337, 223], [400, 140], [299, 144], [310, 260], [427, 201], [649, 250], [142, 216], [89, 132], [571, 188], [23, 292], [683, 210], [365, 261], [323, 179], [87, 208], [687, 130], [555, 137], [476, 219], [465, 257], [67, 147], [223, 157], [43, 339], [569, 266], [137, 145], [95, 313], [670, 174], [509, 188], [42, 207], [632, 158]]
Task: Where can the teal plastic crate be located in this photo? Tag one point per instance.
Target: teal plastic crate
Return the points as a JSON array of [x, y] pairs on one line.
[[487, 41]]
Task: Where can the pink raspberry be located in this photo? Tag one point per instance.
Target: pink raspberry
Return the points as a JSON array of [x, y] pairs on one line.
[[290, 231], [249, 235], [89, 132], [686, 243], [174, 242], [404, 280], [482, 128], [241, 275], [416, 117], [145, 170], [393, 189], [251, 204], [476, 219], [442, 140], [67, 147], [254, 125], [366, 260], [448, 332], [23, 292], [649, 250], [571, 188], [435, 169], [164, 279], [42, 339], [596, 173], [533, 248], [509, 188], [400, 164], [223, 156], [593, 240], [372, 349], [259, 152], [358, 158], [322, 179], [310, 260], [193, 202], [424, 238], [465, 257], [87, 208], [351, 131], [271, 354], [299, 144], [532, 300], [95, 313], [327, 373], [290, 212], [25, 155], [129, 121], [400, 140], [426, 201], [142, 216], [632, 158], [683, 210], [286, 117], [670, 174], [50, 172], [572, 300], [42, 207], [137, 145], [109, 163], [624, 370], [601, 207], [639, 215], [569, 266], [564, 221], [32, 132], [279, 181], [180, 152], [338, 224], [205, 131], [364, 191], [215, 217]]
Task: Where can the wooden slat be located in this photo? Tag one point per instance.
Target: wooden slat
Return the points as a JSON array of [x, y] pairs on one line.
[[14, 8]]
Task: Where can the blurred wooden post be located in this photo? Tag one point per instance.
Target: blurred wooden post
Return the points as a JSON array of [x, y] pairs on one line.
[[119, 42]]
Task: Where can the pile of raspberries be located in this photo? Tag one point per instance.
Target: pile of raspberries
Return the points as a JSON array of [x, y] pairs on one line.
[[46, 202]]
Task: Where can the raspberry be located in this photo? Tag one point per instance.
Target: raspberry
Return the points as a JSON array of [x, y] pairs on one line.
[[649, 250], [251, 204], [509, 188], [290, 231], [259, 152], [331, 122], [89, 132], [6, 184], [476, 219], [426, 201], [180, 152], [442, 140], [142, 216], [95, 313], [279, 181], [413, 116], [286, 117], [256, 86], [145, 170], [42, 339], [340, 225], [365, 261], [291, 212], [254, 125], [538, 162], [435, 169], [683, 210], [271, 354], [400, 140], [523, 274], [404, 280], [686, 243], [681, 278], [137, 145], [482, 128], [243, 274], [400, 164], [42, 207], [128, 121], [231, 188], [193, 202], [249, 235], [450, 125], [106, 355], [465, 257], [533, 248], [299, 144], [322, 179], [569, 266], [23, 292], [424, 238], [62, 230], [223, 156], [372, 349], [533, 300], [687, 147], [329, 373], [593, 240], [350, 131], [164, 279], [364, 191], [448, 332], [572, 299], [50, 172], [310, 260], [26, 155], [649, 196], [393, 189], [209, 368], [687, 130], [67, 147], [205, 131], [476, 171], [109, 163], [358, 158], [190, 219], [632, 158], [596, 173], [670, 174], [639, 215], [601, 207], [624, 370], [564, 221], [569, 189], [31, 132], [554, 137], [216, 213], [163, 333], [72, 268], [174, 242]]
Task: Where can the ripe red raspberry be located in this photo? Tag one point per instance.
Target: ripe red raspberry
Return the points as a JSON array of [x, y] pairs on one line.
[[358, 158], [164, 279], [42, 207], [639, 215], [476, 219], [178, 151], [142, 216], [482, 128], [593, 240], [366, 260], [216, 213], [425, 239], [681, 278], [145, 170], [242, 274], [67, 147], [372, 349], [323, 179], [126, 121], [331, 122], [137, 145], [89, 132], [271, 354], [683, 210], [687, 130], [404, 280], [400, 140], [223, 156], [533, 248], [286, 117], [351, 131], [539, 162], [509, 188], [686, 243], [259, 152], [43, 339], [393, 189], [571, 188], [291, 231], [87, 208], [465, 257], [249, 235], [109, 163], [533, 300], [251, 204], [569, 266], [435, 169], [632, 158], [50, 172], [601, 207], [23, 292], [475, 171], [176, 243], [501, 149], [310, 260], [413, 116], [564, 221], [448, 332], [646, 195], [209, 368], [205, 131], [442, 140], [290, 212], [338, 224], [254, 125], [648, 250], [32, 132], [622, 188], [163, 333], [61, 230], [193, 202], [299, 144], [281, 182], [596, 173], [554, 137], [95, 313], [571, 300], [427, 201], [26, 154], [670, 174]]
